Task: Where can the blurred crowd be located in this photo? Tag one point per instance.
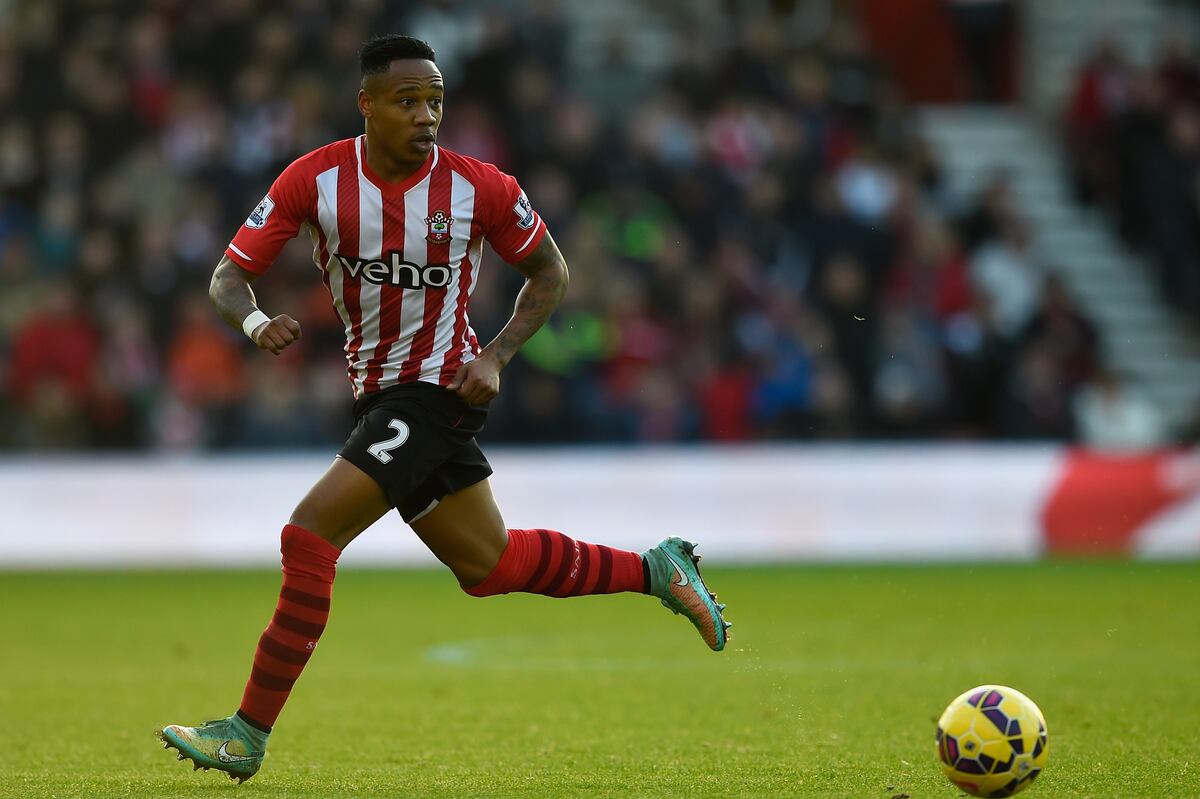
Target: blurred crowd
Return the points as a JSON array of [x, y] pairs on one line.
[[1133, 133], [760, 246]]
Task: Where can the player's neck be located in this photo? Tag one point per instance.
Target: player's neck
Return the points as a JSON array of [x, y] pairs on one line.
[[388, 168]]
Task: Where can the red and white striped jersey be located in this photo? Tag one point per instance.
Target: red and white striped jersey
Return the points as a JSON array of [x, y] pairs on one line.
[[400, 260]]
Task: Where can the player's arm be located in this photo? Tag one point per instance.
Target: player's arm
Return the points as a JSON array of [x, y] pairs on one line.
[[546, 276], [290, 202], [230, 291]]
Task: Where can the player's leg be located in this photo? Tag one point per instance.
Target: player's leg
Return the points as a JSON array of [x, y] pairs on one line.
[[343, 503], [401, 434], [466, 532]]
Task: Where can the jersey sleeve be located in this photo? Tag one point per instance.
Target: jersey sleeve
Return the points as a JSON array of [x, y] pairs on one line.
[[274, 221], [513, 229]]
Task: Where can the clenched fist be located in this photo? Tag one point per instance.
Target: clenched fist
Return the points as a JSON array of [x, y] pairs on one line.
[[275, 335], [478, 381]]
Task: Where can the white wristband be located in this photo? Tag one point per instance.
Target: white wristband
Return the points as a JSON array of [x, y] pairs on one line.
[[251, 322]]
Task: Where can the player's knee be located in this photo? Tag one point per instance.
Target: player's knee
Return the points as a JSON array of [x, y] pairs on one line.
[[481, 588], [303, 517], [472, 578], [311, 519]]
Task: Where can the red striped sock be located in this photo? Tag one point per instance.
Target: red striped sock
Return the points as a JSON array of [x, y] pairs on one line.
[[309, 563], [550, 563]]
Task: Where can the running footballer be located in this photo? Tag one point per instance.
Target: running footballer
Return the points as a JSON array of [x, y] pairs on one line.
[[398, 226]]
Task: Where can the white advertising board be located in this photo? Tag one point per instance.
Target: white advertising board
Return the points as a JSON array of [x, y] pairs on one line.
[[743, 504]]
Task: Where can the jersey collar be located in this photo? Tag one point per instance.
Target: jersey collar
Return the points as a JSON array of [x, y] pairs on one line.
[[360, 151]]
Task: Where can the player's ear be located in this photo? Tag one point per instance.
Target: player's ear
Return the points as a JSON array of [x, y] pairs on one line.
[[365, 101]]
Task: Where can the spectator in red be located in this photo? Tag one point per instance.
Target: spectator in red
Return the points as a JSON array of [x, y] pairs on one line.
[[50, 375], [1102, 92], [724, 395], [641, 342], [931, 280]]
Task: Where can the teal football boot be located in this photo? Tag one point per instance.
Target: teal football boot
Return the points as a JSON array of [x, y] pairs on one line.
[[675, 579], [229, 744]]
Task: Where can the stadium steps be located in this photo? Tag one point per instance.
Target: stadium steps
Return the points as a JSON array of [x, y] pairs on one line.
[[1143, 338]]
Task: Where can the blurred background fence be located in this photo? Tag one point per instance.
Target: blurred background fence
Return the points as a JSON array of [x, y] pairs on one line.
[[840, 221]]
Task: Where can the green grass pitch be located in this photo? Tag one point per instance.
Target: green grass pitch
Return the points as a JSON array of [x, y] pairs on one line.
[[830, 686]]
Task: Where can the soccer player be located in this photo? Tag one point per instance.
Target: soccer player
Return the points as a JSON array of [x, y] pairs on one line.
[[398, 225]]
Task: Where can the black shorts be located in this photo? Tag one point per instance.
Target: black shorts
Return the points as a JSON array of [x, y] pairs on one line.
[[417, 440]]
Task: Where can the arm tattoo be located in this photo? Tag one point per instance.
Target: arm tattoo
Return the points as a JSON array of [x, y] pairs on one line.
[[230, 291], [545, 283]]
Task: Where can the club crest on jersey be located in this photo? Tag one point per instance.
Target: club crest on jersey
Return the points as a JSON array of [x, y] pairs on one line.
[[439, 227], [258, 217], [524, 211]]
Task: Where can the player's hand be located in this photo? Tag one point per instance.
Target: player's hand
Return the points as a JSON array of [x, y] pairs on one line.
[[275, 335], [478, 381]]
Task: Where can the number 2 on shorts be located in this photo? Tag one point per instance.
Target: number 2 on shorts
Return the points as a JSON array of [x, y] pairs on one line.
[[383, 450]]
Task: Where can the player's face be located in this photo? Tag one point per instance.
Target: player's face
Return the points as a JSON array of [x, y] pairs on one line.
[[403, 107]]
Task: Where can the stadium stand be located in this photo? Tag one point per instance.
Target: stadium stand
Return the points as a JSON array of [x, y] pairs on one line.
[[757, 252]]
